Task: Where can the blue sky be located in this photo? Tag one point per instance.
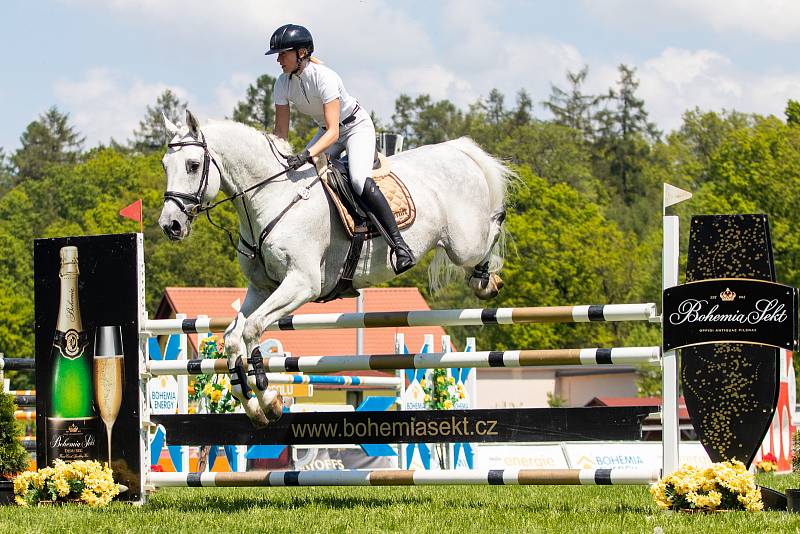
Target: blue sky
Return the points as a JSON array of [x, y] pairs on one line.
[[104, 61]]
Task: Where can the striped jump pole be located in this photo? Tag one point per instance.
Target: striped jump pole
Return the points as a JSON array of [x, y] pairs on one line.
[[25, 400], [220, 366], [462, 317], [25, 415], [433, 360], [17, 364], [400, 477]]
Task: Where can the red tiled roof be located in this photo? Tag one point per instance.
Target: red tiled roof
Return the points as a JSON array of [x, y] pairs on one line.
[[216, 302], [683, 413]]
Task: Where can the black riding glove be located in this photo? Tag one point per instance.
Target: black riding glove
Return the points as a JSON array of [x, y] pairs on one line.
[[296, 161]]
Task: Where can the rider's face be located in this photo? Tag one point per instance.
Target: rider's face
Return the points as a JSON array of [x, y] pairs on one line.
[[287, 61]]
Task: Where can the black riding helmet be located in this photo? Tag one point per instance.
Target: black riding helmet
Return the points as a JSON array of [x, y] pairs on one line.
[[290, 37]]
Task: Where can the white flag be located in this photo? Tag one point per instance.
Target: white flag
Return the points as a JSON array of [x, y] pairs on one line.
[[674, 195]]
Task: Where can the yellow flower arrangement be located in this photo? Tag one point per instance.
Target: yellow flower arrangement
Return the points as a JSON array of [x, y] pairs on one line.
[[720, 486], [82, 481], [440, 390], [213, 393]]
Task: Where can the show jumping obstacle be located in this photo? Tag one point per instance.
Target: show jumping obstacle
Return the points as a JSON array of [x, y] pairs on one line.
[[556, 422], [237, 429]]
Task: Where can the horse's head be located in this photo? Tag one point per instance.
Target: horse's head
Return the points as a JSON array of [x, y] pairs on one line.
[[193, 177]]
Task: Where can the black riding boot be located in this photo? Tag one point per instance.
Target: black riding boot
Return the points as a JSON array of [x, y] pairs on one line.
[[377, 204]]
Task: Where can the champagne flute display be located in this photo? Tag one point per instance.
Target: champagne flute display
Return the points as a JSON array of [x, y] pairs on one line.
[[108, 369]]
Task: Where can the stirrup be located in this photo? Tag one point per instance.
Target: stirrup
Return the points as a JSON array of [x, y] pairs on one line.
[[407, 252]]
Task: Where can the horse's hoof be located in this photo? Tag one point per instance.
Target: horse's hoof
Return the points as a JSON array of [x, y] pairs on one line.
[[275, 410], [498, 282], [255, 414]]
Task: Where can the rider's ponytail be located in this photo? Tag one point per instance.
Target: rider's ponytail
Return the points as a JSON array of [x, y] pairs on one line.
[[313, 59]]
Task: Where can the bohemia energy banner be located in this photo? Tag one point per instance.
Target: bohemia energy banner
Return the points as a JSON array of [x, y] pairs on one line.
[[86, 312], [729, 320]]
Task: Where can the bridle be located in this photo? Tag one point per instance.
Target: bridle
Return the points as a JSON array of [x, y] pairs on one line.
[[193, 205]]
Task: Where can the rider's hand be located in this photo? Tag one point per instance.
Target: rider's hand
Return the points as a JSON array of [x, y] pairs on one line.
[[296, 161]]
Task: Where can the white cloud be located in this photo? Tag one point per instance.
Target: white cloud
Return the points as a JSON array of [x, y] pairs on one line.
[[390, 52], [105, 103], [677, 80], [777, 20]]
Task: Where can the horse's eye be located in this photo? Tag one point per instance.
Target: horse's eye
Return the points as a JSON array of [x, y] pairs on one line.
[[192, 166]]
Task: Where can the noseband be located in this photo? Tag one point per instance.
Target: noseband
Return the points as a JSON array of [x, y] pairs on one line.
[[190, 204]]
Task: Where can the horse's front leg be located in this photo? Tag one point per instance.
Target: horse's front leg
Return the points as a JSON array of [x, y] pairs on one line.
[[236, 351], [295, 290]]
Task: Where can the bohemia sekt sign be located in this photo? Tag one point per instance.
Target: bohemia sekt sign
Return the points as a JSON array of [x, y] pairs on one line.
[[732, 310]]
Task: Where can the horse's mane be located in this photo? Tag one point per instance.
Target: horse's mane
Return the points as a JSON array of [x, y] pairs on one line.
[[231, 126]]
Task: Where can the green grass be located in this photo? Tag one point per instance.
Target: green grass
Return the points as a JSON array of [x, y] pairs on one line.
[[430, 509]]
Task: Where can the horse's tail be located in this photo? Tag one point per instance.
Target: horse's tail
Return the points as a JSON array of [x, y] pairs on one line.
[[498, 178]]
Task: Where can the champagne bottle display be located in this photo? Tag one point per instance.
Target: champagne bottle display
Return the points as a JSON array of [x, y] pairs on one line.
[[72, 423]]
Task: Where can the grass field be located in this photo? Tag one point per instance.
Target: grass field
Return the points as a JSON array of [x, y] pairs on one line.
[[444, 509]]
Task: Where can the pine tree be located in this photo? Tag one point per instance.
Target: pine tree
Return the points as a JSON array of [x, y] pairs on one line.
[[257, 109], [523, 112], [48, 141], [623, 135], [573, 108], [152, 135]]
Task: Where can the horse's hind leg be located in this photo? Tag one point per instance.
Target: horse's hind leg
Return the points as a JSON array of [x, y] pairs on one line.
[[484, 284]]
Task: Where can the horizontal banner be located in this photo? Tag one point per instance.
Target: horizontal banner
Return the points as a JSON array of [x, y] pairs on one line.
[[437, 426], [730, 310]]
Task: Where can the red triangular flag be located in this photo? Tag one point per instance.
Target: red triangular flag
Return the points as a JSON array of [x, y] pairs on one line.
[[134, 211]]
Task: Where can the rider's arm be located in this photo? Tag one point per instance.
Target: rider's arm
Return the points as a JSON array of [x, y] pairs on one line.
[[281, 121], [331, 135]]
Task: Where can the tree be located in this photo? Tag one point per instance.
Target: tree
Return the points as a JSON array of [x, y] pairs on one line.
[[623, 135], [792, 112], [523, 112], [6, 172], [257, 109], [49, 140], [423, 121], [152, 135], [573, 108], [495, 107]]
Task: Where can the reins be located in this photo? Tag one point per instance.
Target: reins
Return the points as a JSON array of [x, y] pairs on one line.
[[197, 206]]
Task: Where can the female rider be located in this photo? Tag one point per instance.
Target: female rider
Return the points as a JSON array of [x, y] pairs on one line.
[[318, 91]]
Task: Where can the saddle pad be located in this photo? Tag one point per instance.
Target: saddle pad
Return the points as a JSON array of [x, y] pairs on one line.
[[393, 189]]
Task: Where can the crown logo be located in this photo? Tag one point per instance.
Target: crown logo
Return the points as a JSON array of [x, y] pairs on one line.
[[727, 295], [73, 427]]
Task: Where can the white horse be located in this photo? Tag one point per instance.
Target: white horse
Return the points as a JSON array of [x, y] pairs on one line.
[[458, 189]]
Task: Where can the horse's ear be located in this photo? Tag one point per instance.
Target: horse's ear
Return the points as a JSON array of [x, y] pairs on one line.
[[193, 124], [169, 125]]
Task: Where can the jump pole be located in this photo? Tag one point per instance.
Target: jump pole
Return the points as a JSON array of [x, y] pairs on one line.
[[432, 360], [458, 317], [400, 477]]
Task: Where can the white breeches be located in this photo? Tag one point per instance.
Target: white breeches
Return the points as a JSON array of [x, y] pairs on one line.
[[358, 138]]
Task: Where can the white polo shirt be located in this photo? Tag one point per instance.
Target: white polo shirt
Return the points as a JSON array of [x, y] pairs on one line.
[[309, 90]]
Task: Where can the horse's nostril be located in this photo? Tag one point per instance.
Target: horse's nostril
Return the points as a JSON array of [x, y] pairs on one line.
[[175, 227]]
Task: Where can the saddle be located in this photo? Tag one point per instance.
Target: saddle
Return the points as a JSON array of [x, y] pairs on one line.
[[359, 224], [352, 214]]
